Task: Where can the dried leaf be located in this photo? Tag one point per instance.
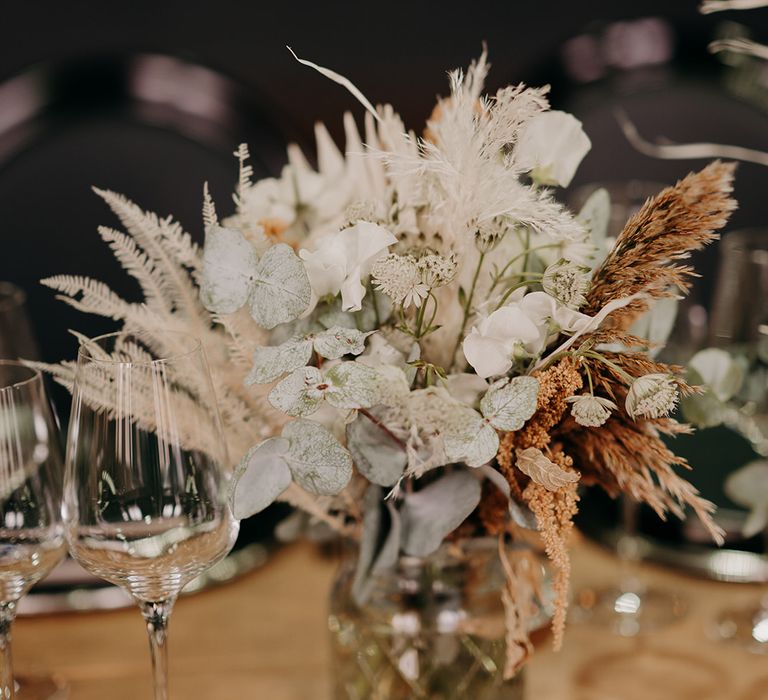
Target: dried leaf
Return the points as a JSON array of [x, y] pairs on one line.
[[535, 464], [318, 463], [510, 402]]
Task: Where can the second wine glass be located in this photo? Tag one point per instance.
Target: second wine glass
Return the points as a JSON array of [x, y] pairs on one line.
[[146, 474]]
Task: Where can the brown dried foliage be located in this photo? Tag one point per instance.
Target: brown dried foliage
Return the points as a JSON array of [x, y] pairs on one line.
[[648, 253]]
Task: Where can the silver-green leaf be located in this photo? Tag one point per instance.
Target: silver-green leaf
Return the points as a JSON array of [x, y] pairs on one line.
[[473, 441], [281, 291], [510, 402], [272, 361], [318, 462], [352, 385], [229, 268], [337, 342], [435, 511], [377, 456], [300, 393], [260, 477]]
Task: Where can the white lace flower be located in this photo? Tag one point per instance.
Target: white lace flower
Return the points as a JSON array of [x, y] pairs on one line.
[[566, 282], [590, 411], [399, 277], [341, 260], [372, 211], [437, 270], [551, 147], [652, 396]]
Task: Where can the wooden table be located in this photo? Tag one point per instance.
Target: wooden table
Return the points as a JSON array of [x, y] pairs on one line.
[[264, 637]]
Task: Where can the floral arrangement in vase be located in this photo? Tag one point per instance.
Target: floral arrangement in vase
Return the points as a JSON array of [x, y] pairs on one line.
[[415, 342]]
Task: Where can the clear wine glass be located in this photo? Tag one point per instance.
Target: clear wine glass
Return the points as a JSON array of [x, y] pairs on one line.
[[739, 325], [145, 503], [31, 530]]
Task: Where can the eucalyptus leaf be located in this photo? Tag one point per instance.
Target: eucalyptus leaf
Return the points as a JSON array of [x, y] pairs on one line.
[[369, 541], [378, 457], [272, 361], [521, 515], [595, 215], [281, 290], [300, 393], [474, 441], [657, 323], [260, 478], [318, 462], [510, 402], [352, 385], [229, 268], [337, 342], [719, 371], [432, 513], [748, 487]]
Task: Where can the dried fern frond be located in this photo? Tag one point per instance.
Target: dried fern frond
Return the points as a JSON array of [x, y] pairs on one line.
[[209, 209], [667, 229]]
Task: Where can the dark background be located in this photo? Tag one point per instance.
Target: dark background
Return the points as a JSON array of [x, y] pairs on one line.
[[70, 116]]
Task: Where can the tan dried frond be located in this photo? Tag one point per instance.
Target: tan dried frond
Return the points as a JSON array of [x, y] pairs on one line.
[[626, 456], [554, 511], [647, 254]]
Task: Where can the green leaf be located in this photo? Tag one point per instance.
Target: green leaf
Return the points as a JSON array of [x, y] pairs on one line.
[[229, 268], [337, 342], [748, 486], [318, 463], [260, 477], [595, 215], [378, 457], [352, 385], [719, 371], [371, 534], [272, 361], [508, 403], [432, 513], [300, 393], [281, 291], [474, 442]]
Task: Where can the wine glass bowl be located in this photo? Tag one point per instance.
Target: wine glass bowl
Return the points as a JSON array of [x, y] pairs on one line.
[[145, 498], [31, 530]]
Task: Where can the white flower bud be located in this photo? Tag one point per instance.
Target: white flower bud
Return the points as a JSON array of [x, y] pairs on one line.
[[590, 411], [652, 396]]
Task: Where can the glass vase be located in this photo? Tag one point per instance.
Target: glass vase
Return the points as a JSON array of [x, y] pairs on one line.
[[429, 628]]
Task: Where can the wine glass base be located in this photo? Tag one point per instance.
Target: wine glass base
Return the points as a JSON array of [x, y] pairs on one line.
[[747, 627], [627, 613], [29, 687]]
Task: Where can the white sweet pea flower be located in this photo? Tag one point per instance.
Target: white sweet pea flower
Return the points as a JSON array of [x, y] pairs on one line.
[[520, 328], [551, 147], [341, 260]]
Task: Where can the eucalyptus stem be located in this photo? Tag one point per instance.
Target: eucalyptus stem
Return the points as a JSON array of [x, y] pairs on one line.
[[517, 257], [508, 293], [468, 305]]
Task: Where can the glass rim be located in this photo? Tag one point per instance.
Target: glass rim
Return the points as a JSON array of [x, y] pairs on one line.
[[84, 353], [35, 375], [11, 295]]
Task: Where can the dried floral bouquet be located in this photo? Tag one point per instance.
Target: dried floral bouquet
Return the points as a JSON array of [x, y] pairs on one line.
[[419, 319]]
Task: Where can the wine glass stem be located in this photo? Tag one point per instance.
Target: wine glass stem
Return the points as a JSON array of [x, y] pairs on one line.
[[156, 616], [7, 684]]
